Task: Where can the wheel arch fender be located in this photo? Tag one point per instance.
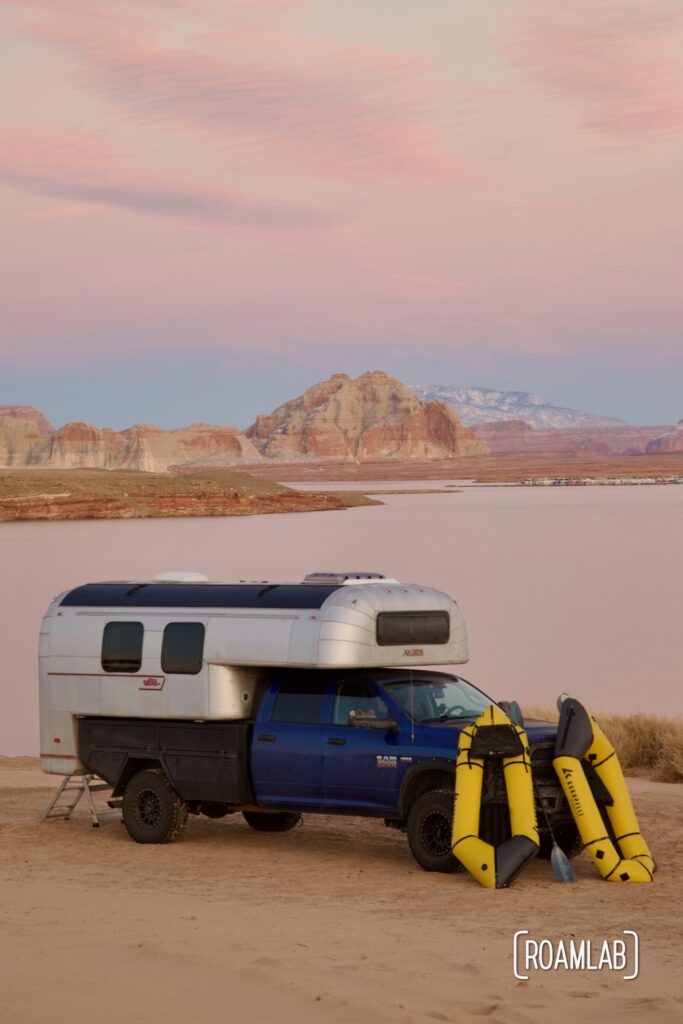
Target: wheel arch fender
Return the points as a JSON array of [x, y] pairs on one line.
[[438, 773], [131, 767]]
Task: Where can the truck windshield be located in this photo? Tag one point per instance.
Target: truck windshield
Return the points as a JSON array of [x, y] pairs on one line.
[[438, 700]]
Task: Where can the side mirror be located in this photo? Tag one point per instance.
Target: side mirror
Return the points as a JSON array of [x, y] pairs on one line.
[[366, 718]]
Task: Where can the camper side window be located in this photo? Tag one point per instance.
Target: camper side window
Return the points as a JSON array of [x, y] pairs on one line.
[[182, 648], [122, 646]]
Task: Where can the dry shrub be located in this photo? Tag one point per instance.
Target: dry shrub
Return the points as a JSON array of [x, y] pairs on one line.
[[647, 743]]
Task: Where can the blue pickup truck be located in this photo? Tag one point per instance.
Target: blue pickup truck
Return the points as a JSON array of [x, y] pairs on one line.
[[377, 743]]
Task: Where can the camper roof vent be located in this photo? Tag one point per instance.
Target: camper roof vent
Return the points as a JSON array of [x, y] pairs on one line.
[[181, 577], [342, 579]]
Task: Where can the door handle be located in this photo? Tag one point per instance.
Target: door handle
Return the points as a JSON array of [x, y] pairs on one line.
[[266, 737], [335, 741]]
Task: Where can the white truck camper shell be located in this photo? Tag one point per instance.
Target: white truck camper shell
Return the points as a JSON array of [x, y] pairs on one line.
[[180, 647]]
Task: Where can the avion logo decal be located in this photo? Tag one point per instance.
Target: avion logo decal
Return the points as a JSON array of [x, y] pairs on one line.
[[152, 683], [413, 652]]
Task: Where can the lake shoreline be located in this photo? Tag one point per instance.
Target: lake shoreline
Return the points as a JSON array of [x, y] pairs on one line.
[[512, 468], [80, 494]]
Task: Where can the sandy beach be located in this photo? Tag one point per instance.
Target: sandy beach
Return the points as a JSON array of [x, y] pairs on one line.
[[331, 922]]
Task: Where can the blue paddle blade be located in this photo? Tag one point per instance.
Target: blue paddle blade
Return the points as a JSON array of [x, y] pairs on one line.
[[559, 860]]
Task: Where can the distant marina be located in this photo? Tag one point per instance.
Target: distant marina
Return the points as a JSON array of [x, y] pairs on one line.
[[608, 481]]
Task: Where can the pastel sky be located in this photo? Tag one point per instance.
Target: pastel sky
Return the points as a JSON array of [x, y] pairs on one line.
[[208, 205]]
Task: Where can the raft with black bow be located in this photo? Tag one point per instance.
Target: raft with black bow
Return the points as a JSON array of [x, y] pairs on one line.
[[494, 736], [593, 782]]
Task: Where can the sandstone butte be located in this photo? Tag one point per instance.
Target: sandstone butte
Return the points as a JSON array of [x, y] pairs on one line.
[[371, 417]]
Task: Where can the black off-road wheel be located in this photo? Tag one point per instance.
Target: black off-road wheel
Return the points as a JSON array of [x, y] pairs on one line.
[[430, 825], [152, 810], [277, 821]]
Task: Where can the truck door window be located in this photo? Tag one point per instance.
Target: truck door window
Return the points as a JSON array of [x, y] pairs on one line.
[[122, 646], [182, 648], [355, 696], [299, 702]]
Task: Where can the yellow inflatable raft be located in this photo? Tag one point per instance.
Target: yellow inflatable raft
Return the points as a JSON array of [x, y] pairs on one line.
[[588, 768], [493, 735]]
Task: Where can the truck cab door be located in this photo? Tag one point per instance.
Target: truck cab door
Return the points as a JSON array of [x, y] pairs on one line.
[[287, 745], [362, 767]]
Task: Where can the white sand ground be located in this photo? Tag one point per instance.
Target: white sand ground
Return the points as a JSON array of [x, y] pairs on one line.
[[331, 922]]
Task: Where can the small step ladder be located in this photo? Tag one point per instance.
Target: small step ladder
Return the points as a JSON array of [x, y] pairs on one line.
[[70, 791]]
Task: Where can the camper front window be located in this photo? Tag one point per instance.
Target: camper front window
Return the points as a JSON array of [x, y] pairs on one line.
[[396, 628]]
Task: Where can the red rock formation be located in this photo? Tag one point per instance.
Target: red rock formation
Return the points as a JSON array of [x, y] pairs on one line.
[[155, 450], [28, 414], [515, 436], [374, 416], [142, 447], [671, 441], [80, 446]]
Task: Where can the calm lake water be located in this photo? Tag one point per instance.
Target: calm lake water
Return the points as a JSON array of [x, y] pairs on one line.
[[576, 589]]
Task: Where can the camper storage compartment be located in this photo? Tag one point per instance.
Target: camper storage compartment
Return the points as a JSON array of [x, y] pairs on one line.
[[203, 760]]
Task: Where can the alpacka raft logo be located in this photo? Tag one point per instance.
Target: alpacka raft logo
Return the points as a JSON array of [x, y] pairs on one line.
[[568, 774]]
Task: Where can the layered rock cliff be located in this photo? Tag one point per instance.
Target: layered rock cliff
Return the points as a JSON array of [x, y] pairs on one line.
[[371, 417], [142, 447], [18, 437]]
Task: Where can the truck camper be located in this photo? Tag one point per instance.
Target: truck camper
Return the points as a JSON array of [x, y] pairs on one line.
[[272, 699]]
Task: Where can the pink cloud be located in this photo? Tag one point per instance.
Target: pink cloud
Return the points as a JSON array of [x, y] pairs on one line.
[[78, 167], [617, 61], [351, 112]]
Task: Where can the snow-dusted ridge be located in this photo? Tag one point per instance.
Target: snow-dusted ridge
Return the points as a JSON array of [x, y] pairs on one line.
[[486, 405]]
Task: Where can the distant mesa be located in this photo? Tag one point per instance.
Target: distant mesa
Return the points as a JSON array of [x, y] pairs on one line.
[[371, 417], [519, 422], [518, 437], [671, 441], [486, 405]]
